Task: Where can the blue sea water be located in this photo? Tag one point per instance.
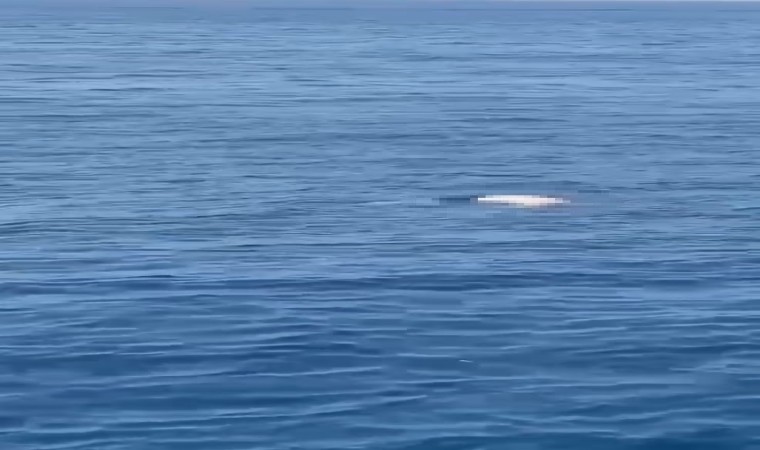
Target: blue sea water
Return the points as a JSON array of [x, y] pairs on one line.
[[222, 229]]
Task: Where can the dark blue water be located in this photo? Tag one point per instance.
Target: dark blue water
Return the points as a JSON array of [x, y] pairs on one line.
[[222, 229]]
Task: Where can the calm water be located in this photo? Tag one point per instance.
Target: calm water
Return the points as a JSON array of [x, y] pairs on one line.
[[222, 230]]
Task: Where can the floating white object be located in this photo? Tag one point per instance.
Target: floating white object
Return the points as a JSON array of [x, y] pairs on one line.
[[534, 201]]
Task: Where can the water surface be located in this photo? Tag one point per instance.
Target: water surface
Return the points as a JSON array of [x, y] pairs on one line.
[[221, 229]]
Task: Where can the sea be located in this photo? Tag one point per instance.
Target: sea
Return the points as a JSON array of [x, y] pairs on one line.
[[235, 228]]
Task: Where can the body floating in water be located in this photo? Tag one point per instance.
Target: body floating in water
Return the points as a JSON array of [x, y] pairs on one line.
[[529, 201]]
